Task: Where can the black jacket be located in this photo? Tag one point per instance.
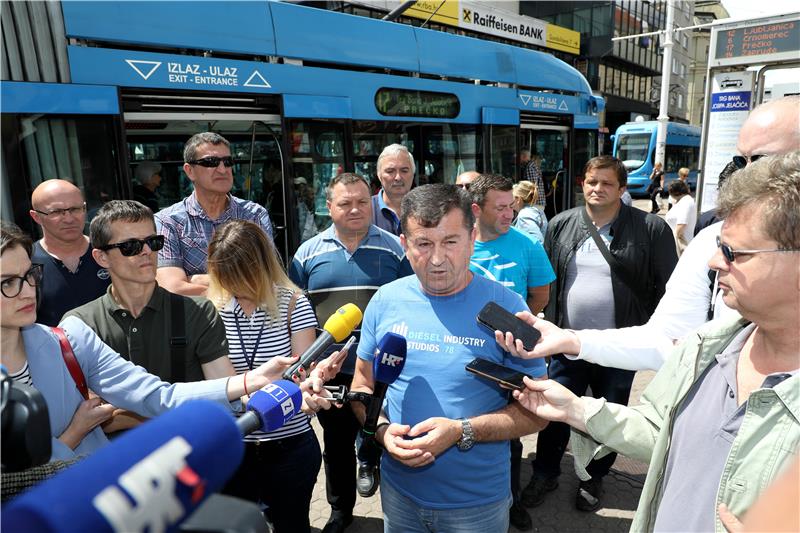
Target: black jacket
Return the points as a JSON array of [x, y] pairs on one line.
[[642, 242]]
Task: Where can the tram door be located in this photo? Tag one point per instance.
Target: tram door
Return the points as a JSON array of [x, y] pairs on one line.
[[255, 147], [549, 145]]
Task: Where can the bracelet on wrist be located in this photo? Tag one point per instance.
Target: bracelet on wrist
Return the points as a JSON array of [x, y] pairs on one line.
[[244, 381]]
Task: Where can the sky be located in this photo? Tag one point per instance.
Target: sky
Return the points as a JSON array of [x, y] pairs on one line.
[[753, 8]]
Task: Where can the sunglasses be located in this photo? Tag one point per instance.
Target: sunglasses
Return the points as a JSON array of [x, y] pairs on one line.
[[742, 161], [213, 161], [731, 254], [464, 186], [133, 247], [11, 287]]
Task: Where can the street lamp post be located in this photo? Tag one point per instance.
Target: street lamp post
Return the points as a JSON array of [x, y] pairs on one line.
[[666, 71]]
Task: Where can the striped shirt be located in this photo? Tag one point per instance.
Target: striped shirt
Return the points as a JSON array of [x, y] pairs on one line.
[[256, 337], [23, 376]]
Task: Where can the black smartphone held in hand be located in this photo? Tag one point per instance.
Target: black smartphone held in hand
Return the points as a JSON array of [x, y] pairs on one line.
[[495, 317], [498, 373]]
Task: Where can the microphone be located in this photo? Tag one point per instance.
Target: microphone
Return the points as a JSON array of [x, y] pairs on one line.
[[151, 478], [390, 356], [336, 328], [271, 407]]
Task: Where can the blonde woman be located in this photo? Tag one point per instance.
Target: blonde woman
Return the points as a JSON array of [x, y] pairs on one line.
[[265, 316], [530, 218]]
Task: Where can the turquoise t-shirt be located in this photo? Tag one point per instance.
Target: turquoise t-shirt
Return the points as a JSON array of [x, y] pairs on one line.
[[443, 337], [513, 259]]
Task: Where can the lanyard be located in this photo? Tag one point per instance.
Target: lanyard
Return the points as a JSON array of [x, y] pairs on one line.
[[249, 360]]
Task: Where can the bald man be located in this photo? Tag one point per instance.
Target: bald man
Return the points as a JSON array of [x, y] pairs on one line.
[[71, 275], [465, 178]]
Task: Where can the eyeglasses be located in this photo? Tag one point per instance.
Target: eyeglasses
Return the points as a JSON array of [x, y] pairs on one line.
[[11, 287], [213, 161], [742, 161], [133, 247], [464, 186], [731, 254], [58, 213]]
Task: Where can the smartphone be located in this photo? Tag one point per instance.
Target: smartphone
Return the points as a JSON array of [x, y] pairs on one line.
[[498, 373], [495, 317], [349, 343]]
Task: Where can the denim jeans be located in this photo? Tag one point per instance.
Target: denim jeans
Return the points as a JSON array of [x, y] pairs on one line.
[[403, 515]]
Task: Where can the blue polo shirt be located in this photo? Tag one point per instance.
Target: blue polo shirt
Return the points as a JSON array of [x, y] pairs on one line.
[[383, 217], [332, 276], [442, 337]]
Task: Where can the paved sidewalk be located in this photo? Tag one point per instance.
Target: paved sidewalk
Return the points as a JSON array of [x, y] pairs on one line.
[[623, 486]]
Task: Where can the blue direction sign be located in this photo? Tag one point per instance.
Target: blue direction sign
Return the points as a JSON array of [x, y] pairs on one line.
[[143, 69], [549, 102]]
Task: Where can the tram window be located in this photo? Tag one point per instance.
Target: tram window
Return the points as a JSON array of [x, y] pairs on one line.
[[449, 150], [66, 148], [317, 156], [503, 150]]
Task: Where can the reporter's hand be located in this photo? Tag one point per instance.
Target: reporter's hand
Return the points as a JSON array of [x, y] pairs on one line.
[[315, 396], [434, 435], [273, 369], [554, 340], [89, 414], [392, 437], [328, 368], [550, 400]]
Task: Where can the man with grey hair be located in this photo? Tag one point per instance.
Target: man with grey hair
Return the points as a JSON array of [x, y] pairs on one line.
[[148, 178], [718, 423], [188, 225], [396, 173]]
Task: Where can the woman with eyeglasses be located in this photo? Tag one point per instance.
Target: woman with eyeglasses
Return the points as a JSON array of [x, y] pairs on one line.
[[32, 354], [266, 317], [530, 218]]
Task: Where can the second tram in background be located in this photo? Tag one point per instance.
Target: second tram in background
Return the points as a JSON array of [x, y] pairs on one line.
[[635, 144]]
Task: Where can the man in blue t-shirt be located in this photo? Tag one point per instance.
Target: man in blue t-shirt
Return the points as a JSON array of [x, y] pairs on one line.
[[511, 257], [347, 263], [445, 430]]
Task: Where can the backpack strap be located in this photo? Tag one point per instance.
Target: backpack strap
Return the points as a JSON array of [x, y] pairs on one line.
[[177, 340], [72, 363]]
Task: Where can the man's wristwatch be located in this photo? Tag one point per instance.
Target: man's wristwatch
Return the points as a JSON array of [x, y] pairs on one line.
[[467, 439]]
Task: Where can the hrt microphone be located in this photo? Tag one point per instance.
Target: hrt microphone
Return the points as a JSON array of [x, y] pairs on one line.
[[271, 407], [390, 356], [149, 479], [336, 328]]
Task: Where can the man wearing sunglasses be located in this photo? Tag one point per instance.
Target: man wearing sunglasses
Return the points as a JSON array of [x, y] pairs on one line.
[[71, 277], [177, 338], [465, 179], [188, 225]]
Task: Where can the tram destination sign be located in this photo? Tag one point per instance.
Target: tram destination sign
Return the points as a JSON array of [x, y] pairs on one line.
[[412, 103], [759, 42]]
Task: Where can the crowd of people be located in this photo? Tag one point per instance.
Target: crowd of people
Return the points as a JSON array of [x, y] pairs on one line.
[[193, 302]]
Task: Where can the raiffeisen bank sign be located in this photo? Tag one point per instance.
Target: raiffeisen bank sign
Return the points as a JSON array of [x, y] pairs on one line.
[[485, 18]]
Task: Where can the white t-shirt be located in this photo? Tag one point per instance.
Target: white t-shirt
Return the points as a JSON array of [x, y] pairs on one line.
[[683, 212]]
